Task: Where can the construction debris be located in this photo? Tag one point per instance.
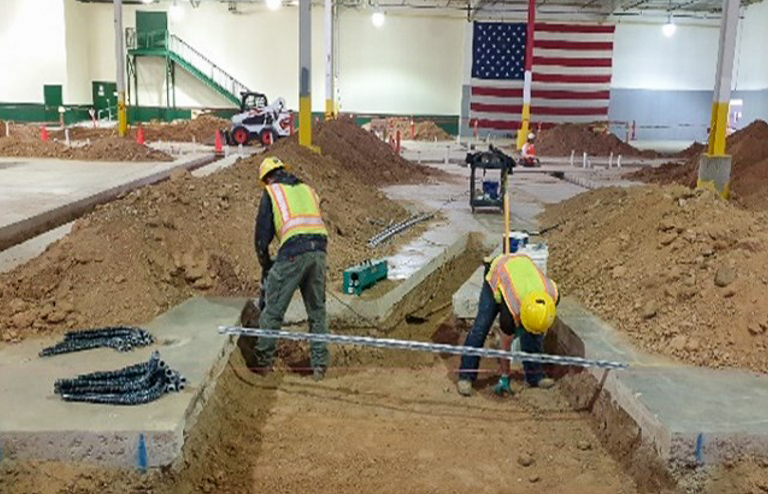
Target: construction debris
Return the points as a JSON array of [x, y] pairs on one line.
[[107, 149], [190, 236], [681, 271], [421, 130], [749, 169], [563, 139]]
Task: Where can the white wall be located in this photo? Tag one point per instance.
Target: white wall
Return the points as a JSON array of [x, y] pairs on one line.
[[410, 65], [32, 49], [752, 62], [644, 58], [77, 89]]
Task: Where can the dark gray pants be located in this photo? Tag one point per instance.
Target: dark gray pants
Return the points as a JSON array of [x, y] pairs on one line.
[[307, 273]]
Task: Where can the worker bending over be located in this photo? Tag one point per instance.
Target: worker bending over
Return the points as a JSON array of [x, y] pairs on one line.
[[290, 211], [526, 298]]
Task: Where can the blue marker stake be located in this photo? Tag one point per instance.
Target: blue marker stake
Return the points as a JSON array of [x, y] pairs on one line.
[[699, 450], [143, 460]]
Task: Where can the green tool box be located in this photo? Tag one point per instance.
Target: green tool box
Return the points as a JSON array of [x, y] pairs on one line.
[[364, 275]]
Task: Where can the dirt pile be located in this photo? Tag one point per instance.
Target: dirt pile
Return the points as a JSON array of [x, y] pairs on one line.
[[562, 139], [749, 169], [366, 156], [423, 130], [107, 149], [682, 272], [139, 255], [201, 129]]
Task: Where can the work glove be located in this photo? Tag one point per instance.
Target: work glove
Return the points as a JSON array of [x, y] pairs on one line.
[[502, 386]]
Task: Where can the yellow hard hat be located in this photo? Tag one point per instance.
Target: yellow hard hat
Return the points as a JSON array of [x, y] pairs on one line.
[[269, 165], [537, 312]]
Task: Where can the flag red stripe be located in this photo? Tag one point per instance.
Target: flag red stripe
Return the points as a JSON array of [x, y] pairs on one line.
[[497, 91], [573, 28], [548, 44], [539, 110], [506, 125], [573, 62], [539, 93], [576, 79]]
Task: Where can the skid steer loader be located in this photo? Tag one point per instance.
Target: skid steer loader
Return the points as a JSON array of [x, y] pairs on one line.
[[259, 121]]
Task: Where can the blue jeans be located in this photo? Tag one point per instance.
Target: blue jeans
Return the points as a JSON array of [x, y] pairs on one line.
[[487, 311]]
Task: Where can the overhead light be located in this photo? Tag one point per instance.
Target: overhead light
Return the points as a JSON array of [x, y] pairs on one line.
[[274, 4], [147, 1], [669, 28], [378, 18], [176, 11]]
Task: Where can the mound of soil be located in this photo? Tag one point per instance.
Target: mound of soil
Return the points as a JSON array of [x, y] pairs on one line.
[[423, 130], [749, 169], [135, 257], [201, 129], [106, 149], [366, 156], [562, 139], [681, 271]]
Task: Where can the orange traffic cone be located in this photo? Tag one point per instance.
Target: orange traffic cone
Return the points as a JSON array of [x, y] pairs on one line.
[[43, 133], [218, 146], [140, 135]]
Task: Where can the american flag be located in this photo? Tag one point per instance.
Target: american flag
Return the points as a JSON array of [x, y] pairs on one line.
[[571, 74]]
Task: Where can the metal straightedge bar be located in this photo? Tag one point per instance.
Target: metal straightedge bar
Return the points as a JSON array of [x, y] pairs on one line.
[[393, 230], [419, 346]]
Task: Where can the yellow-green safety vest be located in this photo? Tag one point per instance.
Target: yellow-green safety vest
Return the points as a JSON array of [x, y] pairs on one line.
[[296, 211], [513, 276]]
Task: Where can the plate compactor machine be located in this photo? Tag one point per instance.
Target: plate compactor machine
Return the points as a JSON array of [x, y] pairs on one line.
[[259, 121]]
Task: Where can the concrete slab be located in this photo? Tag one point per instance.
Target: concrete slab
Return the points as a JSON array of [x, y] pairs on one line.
[[36, 424], [687, 413], [23, 252], [39, 194]]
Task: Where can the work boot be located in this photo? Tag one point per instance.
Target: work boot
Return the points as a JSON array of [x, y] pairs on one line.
[[318, 374], [464, 386]]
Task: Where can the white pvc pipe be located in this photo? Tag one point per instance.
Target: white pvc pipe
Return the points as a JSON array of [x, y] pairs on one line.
[[573, 154], [618, 162], [610, 161], [584, 161]]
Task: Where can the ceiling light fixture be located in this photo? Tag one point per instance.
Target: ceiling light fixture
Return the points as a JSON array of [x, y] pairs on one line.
[[378, 18], [274, 4], [669, 28]]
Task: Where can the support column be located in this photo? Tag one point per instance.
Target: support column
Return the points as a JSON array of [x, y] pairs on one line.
[[715, 165], [305, 75], [122, 112], [525, 118], [330, 107]]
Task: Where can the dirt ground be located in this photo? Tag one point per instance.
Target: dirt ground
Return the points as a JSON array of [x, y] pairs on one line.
[[423, 130], [190, 236], [749, 169], [382, 421], [105, 149], [681, 271], [581, 138]]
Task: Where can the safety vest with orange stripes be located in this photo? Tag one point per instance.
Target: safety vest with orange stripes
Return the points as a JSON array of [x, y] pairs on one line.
[[513, 276], [295, 210]]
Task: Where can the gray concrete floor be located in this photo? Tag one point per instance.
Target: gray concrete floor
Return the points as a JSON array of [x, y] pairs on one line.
[[35, 423]]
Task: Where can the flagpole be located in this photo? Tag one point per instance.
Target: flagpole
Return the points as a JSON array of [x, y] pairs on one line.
[[522, 134]]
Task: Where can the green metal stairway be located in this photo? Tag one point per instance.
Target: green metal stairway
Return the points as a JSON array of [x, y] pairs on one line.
[[176, 51]]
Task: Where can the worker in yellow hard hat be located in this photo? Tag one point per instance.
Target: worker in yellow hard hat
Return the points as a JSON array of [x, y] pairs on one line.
[[289, 212], [525, 298]]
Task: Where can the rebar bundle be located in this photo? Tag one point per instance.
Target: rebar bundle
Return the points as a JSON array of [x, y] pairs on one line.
[[132, 385], [121, 338]]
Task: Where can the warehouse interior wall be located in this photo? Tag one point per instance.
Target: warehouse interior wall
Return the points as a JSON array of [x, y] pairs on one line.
[[77, 89], [401, 68], [414, 64], [33, 48]]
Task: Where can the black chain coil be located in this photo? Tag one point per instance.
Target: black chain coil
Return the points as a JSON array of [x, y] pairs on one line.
[[132, 385], [121, 338]]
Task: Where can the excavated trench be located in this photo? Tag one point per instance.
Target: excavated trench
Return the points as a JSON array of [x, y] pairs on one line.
[[382, 421]]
